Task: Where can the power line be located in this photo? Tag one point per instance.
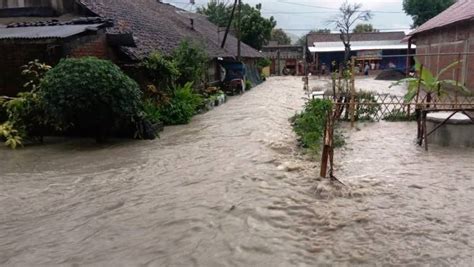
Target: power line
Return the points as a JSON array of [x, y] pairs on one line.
[[308, 29], [332, 8]]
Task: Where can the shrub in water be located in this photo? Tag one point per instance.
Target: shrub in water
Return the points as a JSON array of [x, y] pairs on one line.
[[91, 96], [191, 60], [182, 106], [310, 124], [162, 71]]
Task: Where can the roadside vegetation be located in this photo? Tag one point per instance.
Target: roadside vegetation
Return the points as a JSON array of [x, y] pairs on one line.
[[90, 97], [309, 125]]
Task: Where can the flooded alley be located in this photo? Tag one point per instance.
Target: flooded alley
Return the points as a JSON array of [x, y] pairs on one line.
[[233, 189]]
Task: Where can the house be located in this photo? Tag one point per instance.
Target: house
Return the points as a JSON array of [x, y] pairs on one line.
[[381, 50], [123, 31], [286, 59], [447, 38]]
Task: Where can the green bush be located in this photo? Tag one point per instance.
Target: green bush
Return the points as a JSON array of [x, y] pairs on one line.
[[248, 85], [368, 107], [152, 111], [161, 71], [191, 60], [26, 113], [24, 117], [91, 96], [263, 62], [10, 135], [182, 106], [310, 124], [399, 115]]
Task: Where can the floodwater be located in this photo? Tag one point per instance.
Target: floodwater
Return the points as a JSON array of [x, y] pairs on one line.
[[231, 189], [362, 83]]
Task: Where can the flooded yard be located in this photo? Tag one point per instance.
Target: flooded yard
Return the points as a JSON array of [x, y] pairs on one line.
[[232, 189]]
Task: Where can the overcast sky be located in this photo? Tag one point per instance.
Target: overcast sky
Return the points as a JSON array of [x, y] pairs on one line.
[[299, 16]]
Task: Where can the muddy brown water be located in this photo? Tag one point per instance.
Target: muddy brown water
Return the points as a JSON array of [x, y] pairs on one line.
[[231, 189]]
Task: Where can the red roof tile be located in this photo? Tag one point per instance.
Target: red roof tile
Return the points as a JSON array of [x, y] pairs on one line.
[[462, 10]]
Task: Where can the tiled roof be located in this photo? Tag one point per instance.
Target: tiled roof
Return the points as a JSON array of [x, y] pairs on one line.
[[356, 37], [55, 22], [12, 20], [161, 27], [462, 10]]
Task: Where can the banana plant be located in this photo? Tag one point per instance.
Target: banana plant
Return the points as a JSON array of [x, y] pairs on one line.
[[429, 82]]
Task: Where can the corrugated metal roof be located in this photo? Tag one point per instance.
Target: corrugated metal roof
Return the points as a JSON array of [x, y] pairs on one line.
[[462, 10], [356, 37], [358, 46], [59, 31]]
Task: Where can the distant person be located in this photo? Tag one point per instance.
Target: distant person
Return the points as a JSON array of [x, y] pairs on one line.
[[366, 69], [372, 66], [323, 69]]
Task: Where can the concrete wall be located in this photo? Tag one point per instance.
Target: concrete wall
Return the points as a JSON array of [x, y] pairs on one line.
[[455, 135], [453, 39]]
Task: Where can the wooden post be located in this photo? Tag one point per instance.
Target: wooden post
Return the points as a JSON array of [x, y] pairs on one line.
[[457, 80], [326, 147], [239, 35], [229, 24], [408, 58], [425, 130], [333, 78], [418, 108], [353, 92]]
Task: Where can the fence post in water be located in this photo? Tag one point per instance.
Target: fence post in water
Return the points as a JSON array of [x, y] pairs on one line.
[[458, 71], [325, 154], [418, 108], [353, 92], [328, 145], [425, 130]]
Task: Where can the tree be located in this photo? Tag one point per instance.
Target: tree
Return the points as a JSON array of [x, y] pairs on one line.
[[280, 36], [302, 40], [423, 10], [348, 15], [191, 61], [217, 12], [431, 83], [255, 29], [364, 27]]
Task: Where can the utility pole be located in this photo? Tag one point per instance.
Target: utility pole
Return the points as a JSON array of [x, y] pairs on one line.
[[239, 33], [229, 24]]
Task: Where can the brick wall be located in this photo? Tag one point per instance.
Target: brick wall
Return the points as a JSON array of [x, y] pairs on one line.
[[16, 53], [456, 39], [91, 45]]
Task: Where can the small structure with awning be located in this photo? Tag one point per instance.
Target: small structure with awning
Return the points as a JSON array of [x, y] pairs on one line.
[[370, 48]]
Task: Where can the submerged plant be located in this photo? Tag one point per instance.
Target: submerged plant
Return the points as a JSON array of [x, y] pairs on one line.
[[11, 136], [429, 82], [182, 106], [310, 124]]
